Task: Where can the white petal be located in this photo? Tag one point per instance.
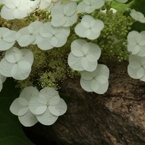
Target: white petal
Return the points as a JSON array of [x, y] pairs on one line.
[[80, 30], [99, 88], [7, 13], [54, 100], [29, 92], [58, 109], [28, 119], [86, 75], [27, 55], [17, 105], [48, 92], [75, 62], [86, 85], [47, 118], [5, 68]]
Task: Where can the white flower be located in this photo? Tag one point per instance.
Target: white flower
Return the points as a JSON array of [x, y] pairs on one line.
[[96, 81], [7, 38], [20, 108], [2, 79], [89, 27], [83, 55], [136, 43], [27, 35], [64, 14], [14, 9], [48, 106], [47, 4], [136, 67], [52, 36], [89, 6], [138, 16], [16, 63], [31, 5]]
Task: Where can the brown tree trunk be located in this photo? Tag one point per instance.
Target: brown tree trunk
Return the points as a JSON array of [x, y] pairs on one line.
[[115, 118]]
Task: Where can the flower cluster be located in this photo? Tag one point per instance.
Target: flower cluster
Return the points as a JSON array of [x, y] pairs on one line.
[[75, 25], [33, 106], [136, 46]]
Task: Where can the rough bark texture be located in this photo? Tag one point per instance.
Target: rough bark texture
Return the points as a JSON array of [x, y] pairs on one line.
[[115, 118]]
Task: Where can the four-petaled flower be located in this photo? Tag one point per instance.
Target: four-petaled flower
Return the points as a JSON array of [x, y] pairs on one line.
[[89, 6], [16, 63], [27, 35], [138, 16], [64, 15], [89, 27], [20, 108], [136, 43], [7, 38], [84, 55], [52, 36], [14, 9], [96, 81], [136, 67], [48, 106]]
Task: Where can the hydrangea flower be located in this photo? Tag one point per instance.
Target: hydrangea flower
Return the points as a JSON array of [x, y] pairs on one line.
[[136, 67], [2, 79], [20, 108], [14, 9], [48, 106], [136, 43], [16, 63], [64, 14], [96, 81], [31, 5], [52, 36], [7, 38], [83, 55], [89, 27], [47, 4], [27, 35], [89, 6], [138, 16]]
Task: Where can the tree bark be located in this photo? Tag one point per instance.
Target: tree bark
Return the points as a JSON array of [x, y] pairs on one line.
[[115, 118]]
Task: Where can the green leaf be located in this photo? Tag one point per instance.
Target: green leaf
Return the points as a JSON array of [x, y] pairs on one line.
[[11, 132]]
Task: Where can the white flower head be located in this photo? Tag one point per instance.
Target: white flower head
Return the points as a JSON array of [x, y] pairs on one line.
[[14, 9], [136, 43], [51, 37], [89, 6], [64, 14], [138, 16], [27, 35], [96, 81], [16, 63], [84, 55], [48, 106], [136, 67], [7, 38], [89, 27], [20, 108]]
